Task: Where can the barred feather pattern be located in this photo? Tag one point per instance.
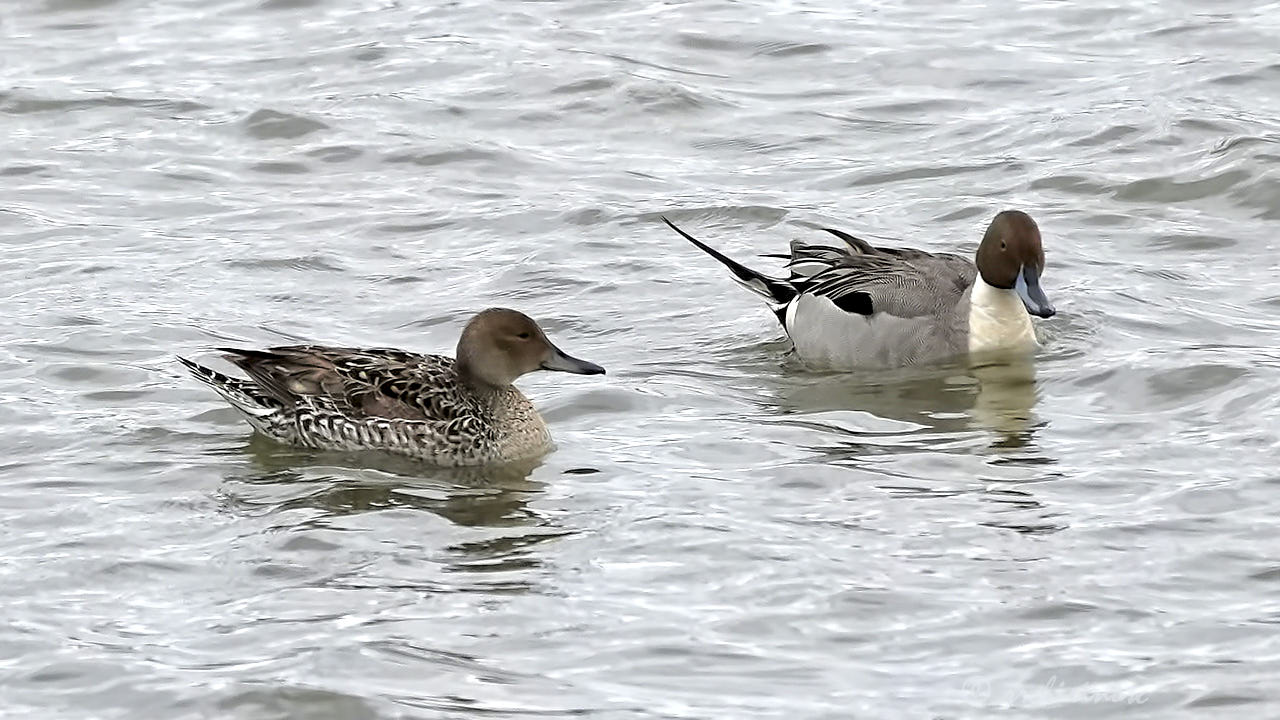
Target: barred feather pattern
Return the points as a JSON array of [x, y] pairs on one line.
[[334, 398], [903, 282]]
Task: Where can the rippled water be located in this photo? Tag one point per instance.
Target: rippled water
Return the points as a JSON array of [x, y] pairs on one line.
[[720, 534]]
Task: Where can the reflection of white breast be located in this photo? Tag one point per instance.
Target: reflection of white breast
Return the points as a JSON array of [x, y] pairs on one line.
[[998, 320]]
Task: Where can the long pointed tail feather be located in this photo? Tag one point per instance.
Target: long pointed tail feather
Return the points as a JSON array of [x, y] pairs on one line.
[[777, 292], [242, 394]]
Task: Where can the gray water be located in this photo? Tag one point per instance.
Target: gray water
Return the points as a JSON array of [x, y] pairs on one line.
[[720, 533]]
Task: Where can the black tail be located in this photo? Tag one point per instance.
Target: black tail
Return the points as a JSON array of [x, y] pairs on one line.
[[777, 292]]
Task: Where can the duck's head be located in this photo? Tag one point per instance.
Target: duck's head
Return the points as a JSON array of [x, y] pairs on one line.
[[500, 345], [1011, 257]]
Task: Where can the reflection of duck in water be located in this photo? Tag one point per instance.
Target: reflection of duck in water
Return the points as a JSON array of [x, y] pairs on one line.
[[936, 397], [362, 482], [997, 394], [1006, 398], [913, 433], [445, 411], [494, 502]]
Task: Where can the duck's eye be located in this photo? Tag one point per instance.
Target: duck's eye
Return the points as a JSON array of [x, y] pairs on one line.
[[1002, 245], [523, 336]]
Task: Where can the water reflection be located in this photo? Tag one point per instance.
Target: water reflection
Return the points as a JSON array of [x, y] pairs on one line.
[[934, 396], [980, 411], [997, 394], [347, 485], [493, 496], [1018, 509], [1005, 401]]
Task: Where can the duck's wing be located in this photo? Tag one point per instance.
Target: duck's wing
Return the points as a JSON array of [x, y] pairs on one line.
[[357, 383], [868, 280], [858, 277], [808, 258]]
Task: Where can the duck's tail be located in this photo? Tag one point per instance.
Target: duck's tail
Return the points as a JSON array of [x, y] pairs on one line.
[[244, 395], [777, 292]]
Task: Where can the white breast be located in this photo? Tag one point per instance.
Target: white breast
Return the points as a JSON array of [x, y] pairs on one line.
[[998, 320]]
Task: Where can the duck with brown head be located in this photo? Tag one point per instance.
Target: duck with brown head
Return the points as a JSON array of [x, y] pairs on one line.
[[446, 411], [500, 345], [1011, 257], [859, 306]]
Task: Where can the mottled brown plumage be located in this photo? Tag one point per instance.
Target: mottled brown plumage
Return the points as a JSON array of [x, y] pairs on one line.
[[449, 412]]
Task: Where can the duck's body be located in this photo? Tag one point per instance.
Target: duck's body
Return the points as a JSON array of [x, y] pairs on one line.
[[332, 398], [858, 306], [434, 408]]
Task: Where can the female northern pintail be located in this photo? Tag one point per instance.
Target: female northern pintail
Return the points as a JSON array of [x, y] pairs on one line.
[[449, 412], [859, 306]]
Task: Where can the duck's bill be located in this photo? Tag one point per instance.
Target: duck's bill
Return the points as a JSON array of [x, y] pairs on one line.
[[561, 362], [1028, 288]]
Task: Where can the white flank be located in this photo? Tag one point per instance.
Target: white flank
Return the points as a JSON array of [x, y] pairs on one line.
[[830, 338]]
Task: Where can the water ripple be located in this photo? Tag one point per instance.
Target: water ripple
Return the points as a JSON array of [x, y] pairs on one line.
[[720, 533]]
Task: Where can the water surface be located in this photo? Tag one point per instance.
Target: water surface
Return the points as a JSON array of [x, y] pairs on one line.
[[720, 534]]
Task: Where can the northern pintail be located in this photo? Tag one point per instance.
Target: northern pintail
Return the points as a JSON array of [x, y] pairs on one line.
[[859, 306], [435, 408]]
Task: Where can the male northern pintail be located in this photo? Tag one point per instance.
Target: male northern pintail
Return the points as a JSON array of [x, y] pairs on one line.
[[859, 306], [449, 412]]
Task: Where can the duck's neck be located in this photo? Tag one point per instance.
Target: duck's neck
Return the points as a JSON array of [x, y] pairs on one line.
[[486, 395], [473, 381], [998, 320]]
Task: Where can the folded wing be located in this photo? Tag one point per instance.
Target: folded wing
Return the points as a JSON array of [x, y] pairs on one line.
[[866, 280], [374, 383]]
